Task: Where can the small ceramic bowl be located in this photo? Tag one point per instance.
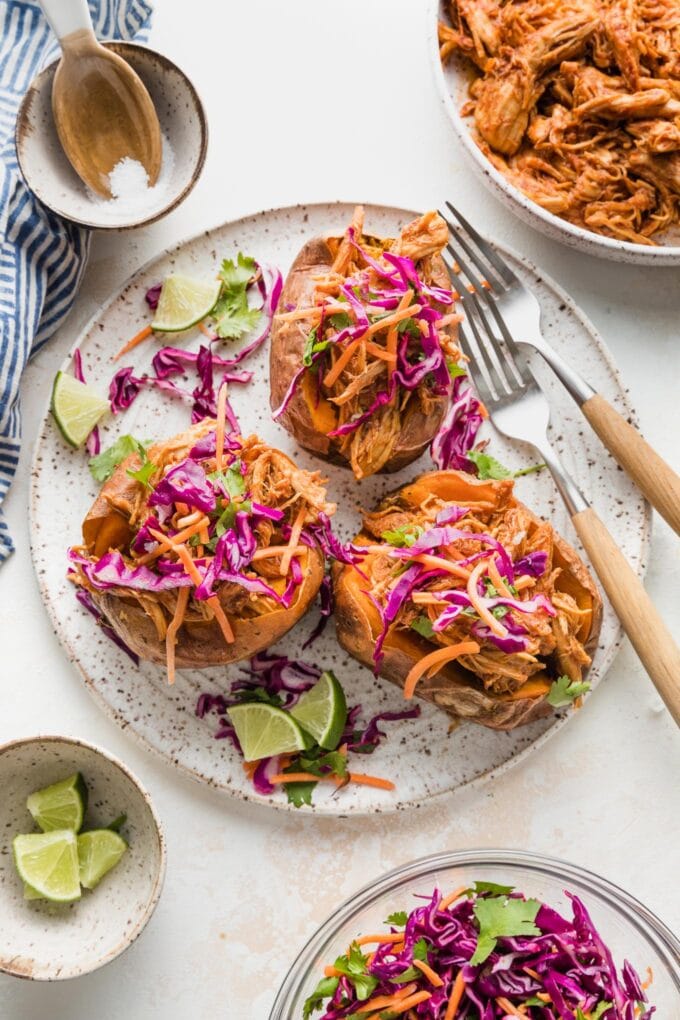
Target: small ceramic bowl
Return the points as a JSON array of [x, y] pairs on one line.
[[453, 82], [51, 177], [47, 941]]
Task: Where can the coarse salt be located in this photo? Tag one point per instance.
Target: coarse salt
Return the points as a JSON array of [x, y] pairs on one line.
[[130, 191]]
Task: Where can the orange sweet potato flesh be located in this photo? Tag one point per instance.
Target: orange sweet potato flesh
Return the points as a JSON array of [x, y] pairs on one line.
[[453, 688]]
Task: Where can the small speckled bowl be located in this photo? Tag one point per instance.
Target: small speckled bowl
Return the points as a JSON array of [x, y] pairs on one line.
[[47, 941], [51, 177]]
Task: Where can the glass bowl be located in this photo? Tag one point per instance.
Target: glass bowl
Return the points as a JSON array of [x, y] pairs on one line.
[[632, 932]]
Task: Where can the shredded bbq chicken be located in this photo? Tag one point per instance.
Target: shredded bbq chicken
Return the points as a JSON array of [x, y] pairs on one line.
[[549, 638], [577, 102]]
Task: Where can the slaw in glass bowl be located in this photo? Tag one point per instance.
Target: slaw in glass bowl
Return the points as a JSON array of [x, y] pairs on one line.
[[630, 930]]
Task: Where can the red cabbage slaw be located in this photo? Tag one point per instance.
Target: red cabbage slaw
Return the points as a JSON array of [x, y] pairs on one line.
[[173, 361], [282, 681], [420, 356], [455, 601], [482, 953]]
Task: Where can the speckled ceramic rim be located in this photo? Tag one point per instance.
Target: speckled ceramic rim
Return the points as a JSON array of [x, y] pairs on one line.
[[254, 798], [123, 49], [160, 877], [634, 912], [568, 233]]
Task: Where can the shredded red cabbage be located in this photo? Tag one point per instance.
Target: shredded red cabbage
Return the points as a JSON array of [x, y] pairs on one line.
[[561, 969], [87, 603], [93, 442], [326, 607], [458, 431], [187, 483], [152, 296]]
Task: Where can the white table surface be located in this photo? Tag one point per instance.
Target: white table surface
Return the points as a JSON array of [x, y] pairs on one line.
[[246, 886]]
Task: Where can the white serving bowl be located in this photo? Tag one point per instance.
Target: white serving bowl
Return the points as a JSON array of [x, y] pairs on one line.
[[48, 941], [453, 82], [51, 177]]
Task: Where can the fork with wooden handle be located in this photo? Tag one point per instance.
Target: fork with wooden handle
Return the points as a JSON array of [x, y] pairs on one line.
[[516, 314], [519, 409]]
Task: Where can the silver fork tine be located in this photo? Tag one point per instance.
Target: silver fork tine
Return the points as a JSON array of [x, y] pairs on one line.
[[478, 376], [473, 308], [495, 280], [487, 250], [508, 353]]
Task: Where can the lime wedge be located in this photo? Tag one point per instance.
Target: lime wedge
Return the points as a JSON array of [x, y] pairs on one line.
[[60, 806], [183, 302], [322, 711], [76, 408], [264, 730], [98, 852], [48, 862], [30, 893]]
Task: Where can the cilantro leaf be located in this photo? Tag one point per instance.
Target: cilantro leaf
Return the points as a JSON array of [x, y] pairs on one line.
[[233, 480], [255, 693], [105, 463], [409, 326], [488, 467], [236, 275], [318, 762], [398, 919], [309, 348], [491, 887], [454, 369], [403, 537], [324, 990], [498, 916], [423, 626], [601, 1009], [341, 320], [420, 950], [299, 793], [354, 967], [144, 473], [564, 691], [233, 317]]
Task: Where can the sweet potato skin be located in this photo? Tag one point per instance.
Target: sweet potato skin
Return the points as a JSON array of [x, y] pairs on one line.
[[200, 644], [286, 351], [454, 689]]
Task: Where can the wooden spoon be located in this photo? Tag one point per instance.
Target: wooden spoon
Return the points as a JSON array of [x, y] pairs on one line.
[[102, 110]]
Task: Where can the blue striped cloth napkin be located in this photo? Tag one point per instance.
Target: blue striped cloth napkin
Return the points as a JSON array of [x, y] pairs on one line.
[[42, 257]]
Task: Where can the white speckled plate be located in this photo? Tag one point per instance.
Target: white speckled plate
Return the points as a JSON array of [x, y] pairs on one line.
[[453, 80], [422, 757]]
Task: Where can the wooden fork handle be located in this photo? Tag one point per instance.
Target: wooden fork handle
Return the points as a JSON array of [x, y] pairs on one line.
[[642, 623], [649, 471]]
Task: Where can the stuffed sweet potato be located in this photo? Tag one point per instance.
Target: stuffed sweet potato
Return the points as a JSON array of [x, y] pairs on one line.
[[213, 559], [468, 600], [362, 344]]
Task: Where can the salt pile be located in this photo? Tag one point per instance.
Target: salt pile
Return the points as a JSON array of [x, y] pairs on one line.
[[131, 194]]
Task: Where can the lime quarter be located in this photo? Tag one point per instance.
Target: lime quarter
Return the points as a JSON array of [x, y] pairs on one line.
[[60, 806], [264, 730], [76, 408], [183, 302], [322, 711], [48, 863], [99, 851]]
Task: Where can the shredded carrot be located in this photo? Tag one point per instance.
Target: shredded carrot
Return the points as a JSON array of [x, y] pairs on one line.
[[366, 940], [295, 533], [363, 780], [452, 897], [404, 1005], [311, 311], [277, 550], [165, 544], [381, 353], [207, 332], [435, 660], [431, 975], [192, 570], [182, 507], [333, 373], [383, 1001], [525, 581], [138, 338], [456, 996], [298, 777], [171, 633], [220, 424], [438, 562], [508, 1007], [394, 318], [184, 522], [332, 972], [532, 973], [649, 980], [484, 614], [496, 579]]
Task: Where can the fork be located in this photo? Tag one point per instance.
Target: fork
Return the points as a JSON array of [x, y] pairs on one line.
[[516, 315], [519, 410]]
